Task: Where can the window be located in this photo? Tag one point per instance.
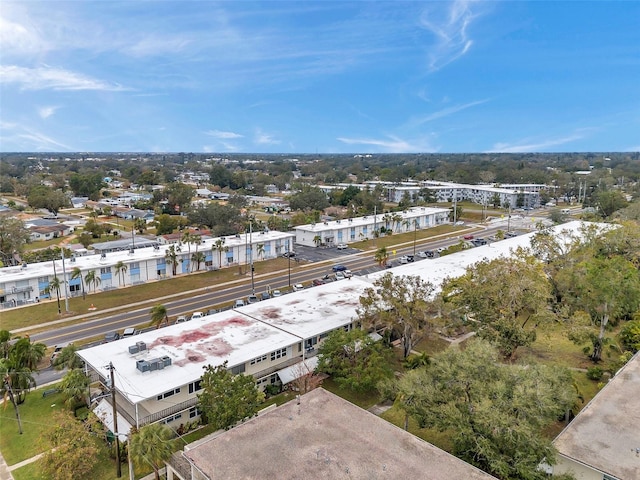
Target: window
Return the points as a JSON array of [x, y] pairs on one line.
[[194, 412], [238, 369], [278, 354], [74, 288], [105, 270], [172, 418], [169, 393], [195, 386], [263, 358]]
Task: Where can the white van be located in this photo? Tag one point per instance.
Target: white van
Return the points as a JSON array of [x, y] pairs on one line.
[[565, 211]]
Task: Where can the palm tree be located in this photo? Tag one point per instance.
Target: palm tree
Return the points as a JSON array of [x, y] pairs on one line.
[[381, 256], [196, 240], [397, 219], [387, 218], [317, 240], [67, 358], [54, 284], [151, 446], [77, 273], [17, 368], [158, 314], [187, 238], [92, 279], [260, 250], [121, 268], [197, 258], [75, 387], [171, 257], [219, 246], [140, 225]]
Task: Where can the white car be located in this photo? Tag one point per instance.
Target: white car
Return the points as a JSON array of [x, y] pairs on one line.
[[239, 303], [297, 287], [276, 293], [197, 315], [342, 246], [181, 319], [422, 254], [340, 276], [347, 274]]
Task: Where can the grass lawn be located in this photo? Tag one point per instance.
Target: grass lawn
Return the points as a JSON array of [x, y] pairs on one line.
[[362, 399], [105, 469], [440, 439]]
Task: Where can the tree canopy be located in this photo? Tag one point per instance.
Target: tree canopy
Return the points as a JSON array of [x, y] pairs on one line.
[[227, 398], [494, 412]]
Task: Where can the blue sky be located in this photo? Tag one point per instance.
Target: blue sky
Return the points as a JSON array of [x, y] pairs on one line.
[[325, 77]]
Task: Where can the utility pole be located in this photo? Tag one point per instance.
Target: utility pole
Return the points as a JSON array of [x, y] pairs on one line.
[[9, 390], [289, 258], [415, 233], [55, 275], [115, 420], [253, 289]]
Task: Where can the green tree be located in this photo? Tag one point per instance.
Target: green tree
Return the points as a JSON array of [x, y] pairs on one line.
[[197, 259], [260, 250], [171, 256], [140, 224], [227, 398], [121, 269], [610, 201], [494, 412], [179, 197], [67, 358], [354, 360], [92, 278], [630, 335], [13, 238], [152, 446], [71, 448], [506, 297], [44, 197], [166, 224], [309, 198], [75, 388], [95, 228], [75, 274], [609, 290], [85, 239], [87, 185], [17, 367], [381, 256], [402, 305], [220, 247], [158, 315]]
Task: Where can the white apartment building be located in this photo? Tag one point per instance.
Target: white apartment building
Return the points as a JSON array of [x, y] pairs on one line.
[[363, 228]]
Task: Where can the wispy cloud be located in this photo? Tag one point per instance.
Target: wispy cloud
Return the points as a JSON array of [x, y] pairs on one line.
[[392, 144], [262, 138], [451, 30], [534, 147], [47, 78], [220, 134], [445, 112], [46, 112], [21, 138]]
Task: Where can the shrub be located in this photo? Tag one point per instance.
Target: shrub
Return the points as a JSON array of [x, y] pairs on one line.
[[594, 373]]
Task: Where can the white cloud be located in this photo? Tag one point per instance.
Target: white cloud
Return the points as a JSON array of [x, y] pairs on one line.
[[46, 112], [47, 78], [391, 145], [262, 138], [533, 147], [451, 31], [221, 134], [17, 137], [445, 112]]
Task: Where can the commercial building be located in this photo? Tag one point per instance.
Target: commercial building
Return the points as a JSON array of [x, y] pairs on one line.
[[317, 436], [364, 228]]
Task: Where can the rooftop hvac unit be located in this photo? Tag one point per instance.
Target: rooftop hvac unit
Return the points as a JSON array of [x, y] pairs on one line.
[[166, 360], [133, 349], [141, 346], [143, 366]]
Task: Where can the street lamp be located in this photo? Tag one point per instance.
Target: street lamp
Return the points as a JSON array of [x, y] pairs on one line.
[[253, 289], [415, 234], [289, 258]]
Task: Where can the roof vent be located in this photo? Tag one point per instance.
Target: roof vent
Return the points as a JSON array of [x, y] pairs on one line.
[[153, 364]]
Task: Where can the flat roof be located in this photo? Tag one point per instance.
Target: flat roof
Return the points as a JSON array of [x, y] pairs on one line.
[[370, 219], [437, 269], [311, 311], [94, 261], [606, 433], [324, 437], [226, 336]]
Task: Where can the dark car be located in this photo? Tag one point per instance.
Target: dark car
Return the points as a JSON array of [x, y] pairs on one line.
[[339, 268], [289, 254], [265, 296], [410, 258], [111, 336]]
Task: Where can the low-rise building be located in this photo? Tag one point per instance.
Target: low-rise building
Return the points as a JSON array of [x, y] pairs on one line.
[[364, 228], [317, 436]]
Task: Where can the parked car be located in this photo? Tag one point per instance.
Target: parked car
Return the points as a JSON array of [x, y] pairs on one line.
[[422, 255], [511, 234], [239, 303], [317, 281], [330, 277], [340, 275], [211, 311], [410, 258], [197, 315], [297, 287], [265, 296], [128, 332], [347, 273], [182, 318], [342, 246], [276, 293], [111, 336], [468, 237], [252, 299], [289, 254], [56, 351], [339, 268], [404, 260]]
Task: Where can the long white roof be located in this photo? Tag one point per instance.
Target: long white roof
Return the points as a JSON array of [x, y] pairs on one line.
[[226, 336]]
